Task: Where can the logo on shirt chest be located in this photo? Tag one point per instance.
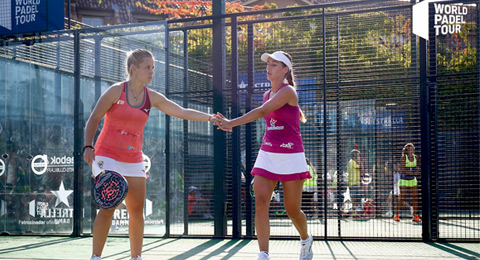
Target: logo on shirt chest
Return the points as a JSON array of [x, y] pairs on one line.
[[287, 145], [272, 126]]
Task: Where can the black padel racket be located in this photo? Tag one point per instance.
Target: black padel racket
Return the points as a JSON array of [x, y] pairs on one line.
[[110, 189]]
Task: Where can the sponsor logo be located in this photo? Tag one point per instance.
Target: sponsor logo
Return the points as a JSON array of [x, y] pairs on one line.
[[120, 102], [39, 164], [287, 145], [242, 85], [147, 163], [62, 195], [49, 214], [448, 18], [42, 163], [268, 143], [123, 132], [272, 126], [46, 214], [2, 167]]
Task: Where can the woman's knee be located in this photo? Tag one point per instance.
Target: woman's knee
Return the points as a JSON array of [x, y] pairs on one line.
[[293, 210], [262, 201], [135, 207], [105, 214], [294, 213]]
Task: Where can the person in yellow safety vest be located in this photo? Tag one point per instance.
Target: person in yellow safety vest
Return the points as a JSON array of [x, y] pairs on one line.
[[355, 174], [310, 193]]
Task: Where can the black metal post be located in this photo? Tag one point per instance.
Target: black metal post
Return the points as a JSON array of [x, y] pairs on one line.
[[325, 166], [431, 233], [98, 93], [98, 68], [248, 132], [78, 142], [69, 14], [185, 130], [167, 134], [219, 64], [425, 139], [478, 71], [236, 158], [58, 81]]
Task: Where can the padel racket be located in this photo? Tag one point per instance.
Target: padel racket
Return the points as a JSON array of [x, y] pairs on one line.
[[110, 189]]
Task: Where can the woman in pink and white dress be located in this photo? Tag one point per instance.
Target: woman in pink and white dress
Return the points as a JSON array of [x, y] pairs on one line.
[[281, 157]]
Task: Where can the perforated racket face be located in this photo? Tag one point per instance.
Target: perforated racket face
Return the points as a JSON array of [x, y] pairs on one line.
[[110, 189]]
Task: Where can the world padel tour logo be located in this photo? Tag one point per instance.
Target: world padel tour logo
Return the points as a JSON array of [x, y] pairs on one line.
[[448, 18]]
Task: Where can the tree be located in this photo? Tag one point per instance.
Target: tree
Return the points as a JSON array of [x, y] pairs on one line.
[[185, 9]]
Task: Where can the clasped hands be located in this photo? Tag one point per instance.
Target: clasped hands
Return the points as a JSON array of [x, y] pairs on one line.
[[222, 123]]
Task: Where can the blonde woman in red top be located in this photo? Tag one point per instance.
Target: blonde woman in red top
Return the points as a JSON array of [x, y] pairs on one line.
[[126, 107]]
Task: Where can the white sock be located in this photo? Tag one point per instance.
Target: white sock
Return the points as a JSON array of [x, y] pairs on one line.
[[264, 252], [303, 242]]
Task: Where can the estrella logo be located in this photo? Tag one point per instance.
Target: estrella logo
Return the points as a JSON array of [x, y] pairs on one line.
[[273, 126], [272, 122]]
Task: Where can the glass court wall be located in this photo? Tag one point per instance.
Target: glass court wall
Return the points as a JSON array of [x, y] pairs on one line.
[[37, 128]]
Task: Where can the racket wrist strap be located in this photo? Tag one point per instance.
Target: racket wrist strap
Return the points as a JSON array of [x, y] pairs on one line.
[[88, 146]]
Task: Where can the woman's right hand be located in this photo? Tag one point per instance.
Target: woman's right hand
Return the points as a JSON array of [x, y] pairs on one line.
[[89, 155], [223, 123]]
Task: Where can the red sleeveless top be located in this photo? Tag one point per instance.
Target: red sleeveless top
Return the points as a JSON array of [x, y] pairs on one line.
[[121, 137], [282, 131]]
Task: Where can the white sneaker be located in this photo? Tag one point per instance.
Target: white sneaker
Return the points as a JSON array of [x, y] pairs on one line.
[[306, 252], [94, 257], [263, 256], [388, 214], [137, 258]]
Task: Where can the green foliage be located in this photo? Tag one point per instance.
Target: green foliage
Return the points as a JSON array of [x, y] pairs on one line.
[[455, 54]]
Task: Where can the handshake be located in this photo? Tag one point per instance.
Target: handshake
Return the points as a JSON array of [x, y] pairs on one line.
[[221, 122]]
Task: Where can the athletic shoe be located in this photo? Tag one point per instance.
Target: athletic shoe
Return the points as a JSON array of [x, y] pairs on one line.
[[416, 218], [306, 251], [263, 256], [94, 257], [137, 258], [388, 214], [411, 211], [396, 218]]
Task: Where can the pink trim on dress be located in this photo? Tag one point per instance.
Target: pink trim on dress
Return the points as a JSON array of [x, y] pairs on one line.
[[281, 177]]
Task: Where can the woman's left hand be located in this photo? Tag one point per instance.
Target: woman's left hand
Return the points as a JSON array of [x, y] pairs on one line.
[[223, 123]]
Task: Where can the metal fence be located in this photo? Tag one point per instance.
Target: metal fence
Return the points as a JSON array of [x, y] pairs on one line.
[[364, 81]]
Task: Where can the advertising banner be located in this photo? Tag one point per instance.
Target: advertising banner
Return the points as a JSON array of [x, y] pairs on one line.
[[30, 16]]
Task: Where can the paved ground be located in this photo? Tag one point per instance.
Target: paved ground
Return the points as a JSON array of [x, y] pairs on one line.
[[65, 248]]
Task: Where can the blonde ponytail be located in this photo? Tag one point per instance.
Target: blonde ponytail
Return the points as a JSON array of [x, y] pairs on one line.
[[291, 81]]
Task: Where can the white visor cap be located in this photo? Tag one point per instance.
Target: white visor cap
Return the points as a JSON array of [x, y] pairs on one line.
[[278, 56]]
